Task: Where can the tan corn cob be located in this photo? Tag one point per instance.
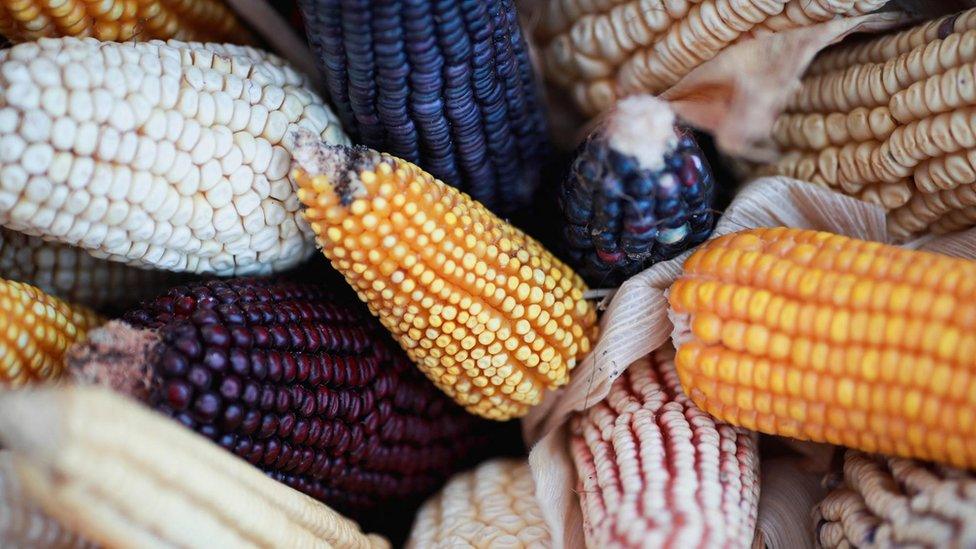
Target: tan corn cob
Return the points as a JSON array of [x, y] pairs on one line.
[[608, 49], [23, 525], [119, 20], [35, 331], [890, 121], [485, 311], [167, 155], [75, 275], [822, 337], [121, 475], [882, 501], [643, 453], [491, 506]]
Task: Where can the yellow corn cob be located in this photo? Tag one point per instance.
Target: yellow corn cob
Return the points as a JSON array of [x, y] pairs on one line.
[[890, 121], [609, 49], [120, 20], [486, 312], [75, 275], [821, 337], [23, 524], [121, 475], [35, 331], [167, 155]]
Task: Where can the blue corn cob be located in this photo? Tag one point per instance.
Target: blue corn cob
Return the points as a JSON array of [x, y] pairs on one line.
[[638, 192], [445, 84]]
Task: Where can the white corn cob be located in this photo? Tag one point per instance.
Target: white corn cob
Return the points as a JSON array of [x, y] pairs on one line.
[[656, 471], [491, 506], [169, 155], [75, 275], [23, 525], [122, 476], [894, 502]]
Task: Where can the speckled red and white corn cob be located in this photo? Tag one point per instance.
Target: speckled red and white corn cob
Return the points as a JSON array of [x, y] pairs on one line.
[[170, 155], [491, 506], [656, 471]]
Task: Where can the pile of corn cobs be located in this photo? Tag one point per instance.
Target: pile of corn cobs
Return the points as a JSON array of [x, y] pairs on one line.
[[223, 286]]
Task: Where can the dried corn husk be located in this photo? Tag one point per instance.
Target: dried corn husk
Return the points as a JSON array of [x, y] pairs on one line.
[[882, 501], [790, 489], [121, 475]]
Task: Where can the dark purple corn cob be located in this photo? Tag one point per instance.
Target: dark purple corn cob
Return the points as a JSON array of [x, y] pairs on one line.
[[639, 192], [445, 84], [301, 382]]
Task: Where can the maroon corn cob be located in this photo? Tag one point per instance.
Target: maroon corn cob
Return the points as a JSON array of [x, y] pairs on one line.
[[295, 378]]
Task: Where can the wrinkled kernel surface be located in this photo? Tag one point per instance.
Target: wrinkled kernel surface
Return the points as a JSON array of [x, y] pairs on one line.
[[35, 331], [303, 383], [120, 20], [485, 311], [654, 468], [821, 337], [492, 506], [166, 155]]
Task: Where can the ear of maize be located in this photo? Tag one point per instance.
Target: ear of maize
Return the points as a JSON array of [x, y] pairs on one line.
[[602, 51], [485, 311], [639, 192], [446, 85], [168, 155], [655, 471], [882, 501], [75, 275], [821, 337], [23, 525], [120, 20], [491, 506], [890, 121], [297, 379], [35, 332], [121, 475]]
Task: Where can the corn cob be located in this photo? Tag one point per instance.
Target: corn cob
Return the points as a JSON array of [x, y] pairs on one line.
[[168, 155], [298, 380], [821, 337], [75, 275], [446, 85], [639, 192], [120, 20], [487, 313], [23, 525], [889, 121], [491, 506], [602, 51], [123, 476], [35, 331], [642, 452], [887, 502]]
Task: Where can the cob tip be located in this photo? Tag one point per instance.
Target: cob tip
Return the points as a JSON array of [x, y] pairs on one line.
[[338, 165], [116, 356], [642, 126]]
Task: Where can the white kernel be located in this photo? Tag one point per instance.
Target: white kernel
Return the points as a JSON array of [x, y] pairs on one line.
[[57, 197], [117, 212], [210, 176], [203, 58], [202, 214], [281, 190], [246, 203], [165, 157], [191, 134], [223, 107], [189, 184], [234, 86], [13, 178], [45, 72], [170, 205], [42, 218], [11, 148], [156, 195], [108, 144], [140, 187], [221, 64], [122, 117], [96, 209], [212, 81], [181, 165], [37, 157], [223, 141], [38, 189], [60, 227], [240, 117], [9, 119], [151, 64], [262, 156], [224, 218], [241, 179], [133, 74], [254, 221], [180, 237], [78, 200], [60, 167], [169, 92], [230, 162], [55, 101], [86, 139], [183, 213], [22, 211], [279, 165], [15, 72], [220, 195], [261, 185], [292, 108], [121, 184], [75, 77], [272, 97], [81, 172], [78, 230], [246, 143], [277, 125], [80, 105], [174, 125], [36, 126], [188, 103], [115, 82], [252, 92], [127, 148], [193, 77], [206, 110], [155, 126], [152, 90], [145, 154], [274, 214], [141, 108], [159, 237], [104, 104], [101, 179]]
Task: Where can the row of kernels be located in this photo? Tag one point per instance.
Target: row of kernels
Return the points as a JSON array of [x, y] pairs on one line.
[[817, 131]]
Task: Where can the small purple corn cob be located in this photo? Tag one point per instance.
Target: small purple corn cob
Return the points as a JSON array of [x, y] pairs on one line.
[[298, 380], [639, 192], [446, 85]]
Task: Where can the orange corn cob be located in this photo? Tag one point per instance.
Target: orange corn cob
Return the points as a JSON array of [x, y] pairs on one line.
[[826, 338], [487, 313], [35, 331], [120, 20]]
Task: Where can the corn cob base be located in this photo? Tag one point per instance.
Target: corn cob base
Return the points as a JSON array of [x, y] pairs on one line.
[[655, 471], [820, 337], [490, 316]]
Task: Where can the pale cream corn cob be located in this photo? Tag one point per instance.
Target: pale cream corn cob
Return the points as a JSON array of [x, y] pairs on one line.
[[74, 275], [491, 506], [891, 121], [604, 50], [169, 155], [120, 475], [25, 20]]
